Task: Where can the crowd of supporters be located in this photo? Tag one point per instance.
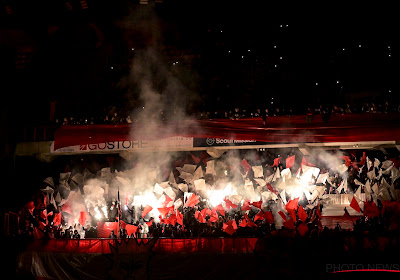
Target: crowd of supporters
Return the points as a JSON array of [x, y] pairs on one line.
[[115, 116], [248, 220]]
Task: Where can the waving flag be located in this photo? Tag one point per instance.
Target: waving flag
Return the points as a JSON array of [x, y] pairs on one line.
[[362, 162], [292, 204], [195, 159], [230, 227], [260, 216], [354, 205], [164, 211], [246, 205], [220, 209], [301, 213], [199, 217], [82, 218], [57, 218], [179, 217], [146, 210], [290, 161], [229, 204], [246, 166], [257, 204], [192, 201], [289, 224]]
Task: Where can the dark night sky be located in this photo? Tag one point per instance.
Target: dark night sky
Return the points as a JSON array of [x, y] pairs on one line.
[[311, 40]]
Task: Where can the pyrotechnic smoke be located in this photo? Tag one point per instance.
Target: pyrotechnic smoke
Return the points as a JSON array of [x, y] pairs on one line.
[[94, 197], [332, 160], [153, 82]]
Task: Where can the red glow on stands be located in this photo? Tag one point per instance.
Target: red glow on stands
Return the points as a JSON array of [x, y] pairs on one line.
[[163, 245], [283, 129]]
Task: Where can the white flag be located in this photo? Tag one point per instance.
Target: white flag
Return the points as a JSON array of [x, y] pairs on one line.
[[200, 185], [322, 178], [371, 174], [376, 163], [258, 171]]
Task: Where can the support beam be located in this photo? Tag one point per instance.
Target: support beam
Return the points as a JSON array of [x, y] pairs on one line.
[[397, 144], [305, 149]]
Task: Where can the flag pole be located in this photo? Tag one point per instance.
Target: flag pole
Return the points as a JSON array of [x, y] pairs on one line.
[[119, 214]]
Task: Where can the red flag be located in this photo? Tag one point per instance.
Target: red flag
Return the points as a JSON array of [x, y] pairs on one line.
[[43, 214], [249, 221], [290, 161], [301, 213], [172, 219], [42, 225], [195, 159], [302, 229], [146, 210], [347, 160], [45, 199], [243, 223], [230, 227], [257, 204], [246, 166], [292, 204], [192, 201], [292, 214], [166, 201], [149, 223], [82, 218], [270, 188], [362, 162], [165, 211], [179, 217], [289, 224], [131, 229], [282, 215], [30, 206], [354, 204], [220, 209], [246, 205], [233, 224], [164, 221], [204, 212], [123, 224], [229, 204], [277, 161], [199, 217], [259, 216], [213, 216], [269, 217], [57, 218], [66, 208], [204, 156]]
